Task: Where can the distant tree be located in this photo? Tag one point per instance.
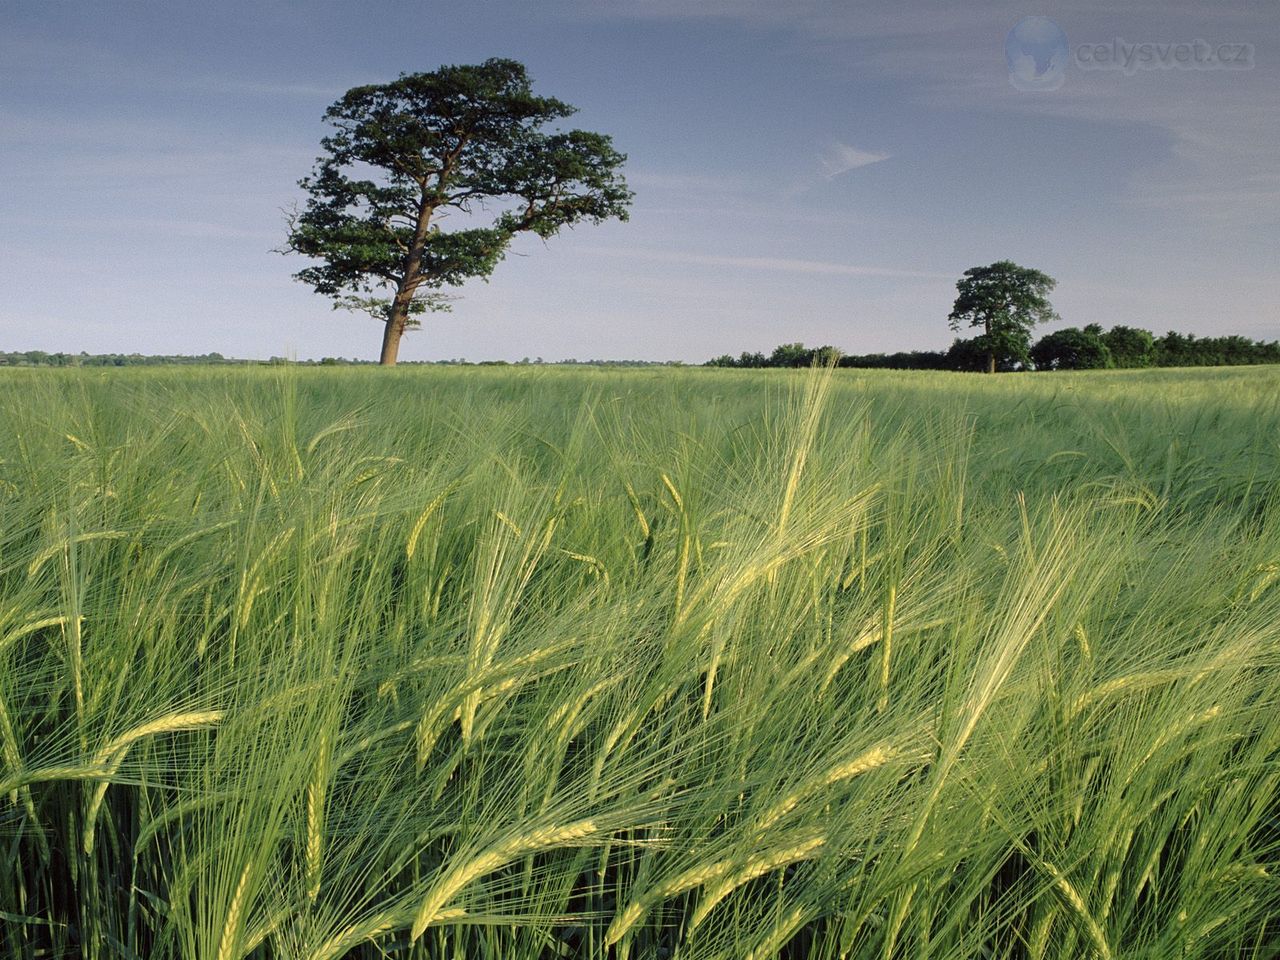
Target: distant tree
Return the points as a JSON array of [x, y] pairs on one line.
[[903, 360], [973, 356], [1005, 301], [826, 356], [790, 355], [1237, 350], [1072, 349], [1130, 346], [406, 154], [1176, 350]]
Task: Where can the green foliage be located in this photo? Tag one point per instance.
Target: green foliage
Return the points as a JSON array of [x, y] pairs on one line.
[[973, 356], [460, 141], [1072, 349], [791, 355], [745, 360], [902, 360], [587, 663], [1188, 350], [41, 358], [379, 308], [1096, 349], [826, 356], [1005, 301], [1131, 347]]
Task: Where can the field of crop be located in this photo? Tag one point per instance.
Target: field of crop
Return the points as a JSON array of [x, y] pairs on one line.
[[536, 663]]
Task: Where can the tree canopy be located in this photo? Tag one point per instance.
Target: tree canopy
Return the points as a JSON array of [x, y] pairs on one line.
[[468, 142], [1072, 349], [1130, 346], [1005, 301]]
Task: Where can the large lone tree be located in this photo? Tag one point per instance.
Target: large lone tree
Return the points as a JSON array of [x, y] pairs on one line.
[[472, 142], [1006, 301]]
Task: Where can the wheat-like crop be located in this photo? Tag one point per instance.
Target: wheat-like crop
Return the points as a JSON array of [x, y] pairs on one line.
[[464, 872], [578, 662], [228, 945], [865, 762], [111, 756]]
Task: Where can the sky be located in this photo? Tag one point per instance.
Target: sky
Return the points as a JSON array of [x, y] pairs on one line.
[[804, 170]]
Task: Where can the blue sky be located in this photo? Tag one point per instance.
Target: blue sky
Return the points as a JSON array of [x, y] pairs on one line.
[[804, 170]]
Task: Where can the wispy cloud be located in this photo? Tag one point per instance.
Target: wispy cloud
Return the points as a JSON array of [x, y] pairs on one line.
[[700, 183], [772, 264], [841, 158], [265, 88], [137, 229], [80, 62], [834, 161], [949, 56]]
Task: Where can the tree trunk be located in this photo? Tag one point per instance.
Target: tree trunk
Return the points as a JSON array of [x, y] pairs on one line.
[[392, 333], [991, 362], [398, 314]]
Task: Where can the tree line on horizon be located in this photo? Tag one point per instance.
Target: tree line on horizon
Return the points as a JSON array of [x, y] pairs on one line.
[[43, 358], [1006, 301], [1072, 348], [1087, 348]]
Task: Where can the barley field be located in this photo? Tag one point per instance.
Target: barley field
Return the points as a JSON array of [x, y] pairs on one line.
[[547, 662]]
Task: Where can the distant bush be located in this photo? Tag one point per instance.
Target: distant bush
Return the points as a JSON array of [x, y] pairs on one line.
[[1073, 348], [1130, 346], [40, 358]]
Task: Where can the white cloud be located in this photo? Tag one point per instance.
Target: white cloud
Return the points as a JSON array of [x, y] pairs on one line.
[[841, 158]]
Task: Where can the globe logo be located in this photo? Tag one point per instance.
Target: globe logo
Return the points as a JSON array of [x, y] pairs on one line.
[[1037, 54]]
